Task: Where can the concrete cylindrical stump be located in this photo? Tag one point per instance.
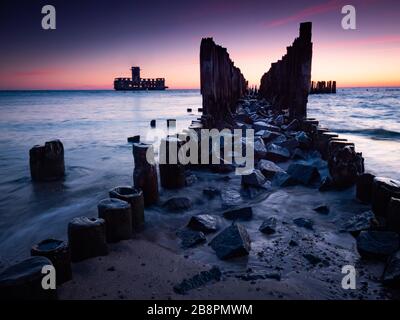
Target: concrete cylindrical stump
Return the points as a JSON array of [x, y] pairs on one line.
[[145, 172], [382, 191], [118, 217], [364, 187], [135, 198], [87, 238], [23, 281], [47, 161], [57, 251]]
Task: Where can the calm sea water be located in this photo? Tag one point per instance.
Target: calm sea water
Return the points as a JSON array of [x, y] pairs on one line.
[[94, 125]]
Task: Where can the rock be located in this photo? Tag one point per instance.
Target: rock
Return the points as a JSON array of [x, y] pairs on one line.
[[279, 120], [383, 190], [279, 139], [312, 259], [57, 251], [118, 217], [178, 204], [199, 280], [134, 139], [326, 184], [393, 215], [23, 281], [47, 162], [290, 144], [260, 150], [299, 154], [323, 209], [211, 192], [87, 238], [267, 135], [254, 179], [276, 153], [232, 242], [268, 168], [358, 223], [268, 226], [261, 125], [345, 165], [282, 179], [243, 214], [364, 184], [303, 173], [230, 197], [203, 222], [391, 275], [190, 238], [135, 198], [304, 223], [293, 126], [377, 244], [145, 172], [304, 140]]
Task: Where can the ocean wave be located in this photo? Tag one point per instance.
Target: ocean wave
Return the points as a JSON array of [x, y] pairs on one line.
[[377, 133]]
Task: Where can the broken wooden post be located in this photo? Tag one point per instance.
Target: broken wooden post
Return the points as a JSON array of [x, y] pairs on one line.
[[172, 173]]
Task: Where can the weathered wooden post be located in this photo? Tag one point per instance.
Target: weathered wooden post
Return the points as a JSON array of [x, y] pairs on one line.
[[172, 173], [145, 172], [47, 161]]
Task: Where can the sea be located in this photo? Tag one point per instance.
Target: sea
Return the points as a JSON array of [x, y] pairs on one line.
[[94, 126]]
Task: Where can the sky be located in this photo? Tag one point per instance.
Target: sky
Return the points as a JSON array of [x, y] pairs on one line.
[[98, 40]]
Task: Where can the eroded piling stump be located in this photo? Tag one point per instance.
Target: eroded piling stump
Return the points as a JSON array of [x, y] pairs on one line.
[[87, 238]]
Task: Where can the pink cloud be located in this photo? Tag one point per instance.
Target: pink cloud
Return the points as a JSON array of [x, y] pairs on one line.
[[305, 13]]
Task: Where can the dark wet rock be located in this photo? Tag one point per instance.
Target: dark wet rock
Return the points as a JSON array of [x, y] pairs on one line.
[[276, 153], [254, 179], [279, 139], [377, 244], [304, 223], [260, 125], [243, 214], [345, 165], [134, 139], [393, 215], [303, 173], [391, 275], [57, 251], [211, 192], [299, 154], [268, 226], [312, 259], [178, 204], [358, 223], [233, 241], [190, 238], [203, 222], [290, 144], [87, 238], [279, 120], [267, 135], [282, 179], [260, 150], [326, 184], [293, 126], [323, 209], [304, 140], [268, 168], [383, 190], [23, 281], [135, 198], [199, 280], [364, 184], [230, 197], [47, 161], [118, 217]]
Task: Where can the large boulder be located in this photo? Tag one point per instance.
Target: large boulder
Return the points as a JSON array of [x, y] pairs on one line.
[[232, 242], [303, 173], [276, 153], [382, 191], [47, 161], [254, 179], [391, 275], [364, 185], [268, 168], [203, 222], [358, 223], [377, 244]]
